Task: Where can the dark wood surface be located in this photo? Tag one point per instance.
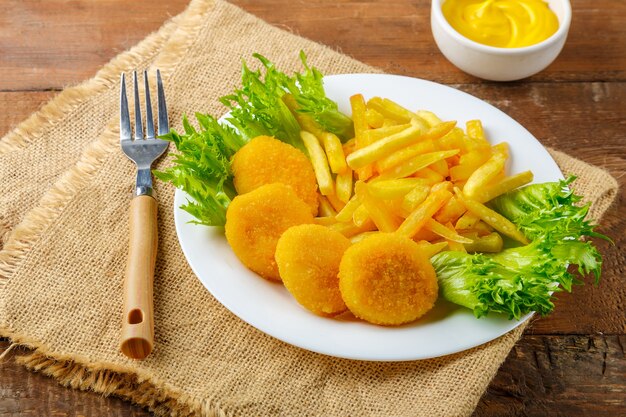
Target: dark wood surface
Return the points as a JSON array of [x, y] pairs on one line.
[[571, 363]]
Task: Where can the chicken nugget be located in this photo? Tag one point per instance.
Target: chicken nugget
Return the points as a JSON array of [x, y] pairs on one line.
[[265, 160], [386, 279], [255, 221], [308, 258]]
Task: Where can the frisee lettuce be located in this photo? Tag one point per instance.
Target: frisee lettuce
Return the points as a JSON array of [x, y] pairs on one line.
[[308, 90], [522, 279], [257, 107], [201, 166]]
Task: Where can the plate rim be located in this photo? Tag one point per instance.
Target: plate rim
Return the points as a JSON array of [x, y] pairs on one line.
[[287, 338]]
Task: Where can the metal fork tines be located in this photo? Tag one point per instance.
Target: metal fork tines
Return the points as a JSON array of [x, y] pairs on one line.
[[142, 149]]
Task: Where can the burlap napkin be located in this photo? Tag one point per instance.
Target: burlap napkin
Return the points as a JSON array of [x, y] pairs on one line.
[[64, 199]]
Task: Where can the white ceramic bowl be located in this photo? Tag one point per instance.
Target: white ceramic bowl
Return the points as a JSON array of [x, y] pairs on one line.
[[499, 64]]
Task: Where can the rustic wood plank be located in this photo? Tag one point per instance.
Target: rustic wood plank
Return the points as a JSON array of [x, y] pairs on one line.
[[398, 39], [51, 44], [24, 393], [543, 376], [17, 106], [69, 40], [550, 376]]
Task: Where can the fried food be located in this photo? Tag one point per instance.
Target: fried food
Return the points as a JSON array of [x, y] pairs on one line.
[[387, 279], [265, 160], [308, 258], [255, 221]]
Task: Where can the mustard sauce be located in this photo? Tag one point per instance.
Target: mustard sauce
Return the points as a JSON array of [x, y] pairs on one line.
[[502, 23]]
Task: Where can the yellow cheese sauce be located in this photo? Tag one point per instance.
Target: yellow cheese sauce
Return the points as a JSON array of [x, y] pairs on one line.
[[501, 23]]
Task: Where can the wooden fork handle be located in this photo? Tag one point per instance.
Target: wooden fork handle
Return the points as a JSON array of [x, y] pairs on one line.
[[138, 321]]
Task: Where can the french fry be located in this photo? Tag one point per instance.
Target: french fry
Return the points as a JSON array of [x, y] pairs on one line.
[[383, 147], [468, 163], [325, 208], [374, 119], [490, 243], [466, 221], [453, 140], [335, 202], [415, 197], [325, 221], [482, 228], [441, 168], [425, 234], [418, 217], [395, 207], [415, 164], [484, 174], [360, 215], [428, 116], [440, 130], [357, 238], [345, 215], [441, 230], [349, 146], [507, 184], [493, 218], [357, 102], [430, 176], [373, 135], [392, 189], [390, 110], [456, 246], [390, 123], [319, 162], [350, 229], [405, 154], [431, 249], [476, 132], [384, 220], [426, 143], [502, 147], [442, 185], [343, 186], [334, 152], [450, 211]]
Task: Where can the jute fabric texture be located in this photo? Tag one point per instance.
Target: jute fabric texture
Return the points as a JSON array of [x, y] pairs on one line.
[[64, 199]]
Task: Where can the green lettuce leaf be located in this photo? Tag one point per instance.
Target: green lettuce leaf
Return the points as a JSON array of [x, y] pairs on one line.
[[201, 167], [308, 90], [522, 279], [257, 107]]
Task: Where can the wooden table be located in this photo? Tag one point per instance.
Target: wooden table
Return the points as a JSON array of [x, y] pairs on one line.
[[569, 364]]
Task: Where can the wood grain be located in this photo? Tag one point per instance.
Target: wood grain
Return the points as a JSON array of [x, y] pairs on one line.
[[543, 376], [51, 44], [560, 376], [27, 394], [138, 313], [68, 40], [397, 37], [17, 106]]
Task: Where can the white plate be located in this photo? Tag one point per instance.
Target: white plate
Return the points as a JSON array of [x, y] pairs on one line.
[[270, 308]]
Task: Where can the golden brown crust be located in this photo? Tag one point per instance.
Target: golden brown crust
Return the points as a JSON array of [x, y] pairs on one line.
[[385, 279], [265, 160], [308, 258], [255, 221]]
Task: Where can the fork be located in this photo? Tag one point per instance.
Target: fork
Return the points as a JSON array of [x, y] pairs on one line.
[[138, 322]]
